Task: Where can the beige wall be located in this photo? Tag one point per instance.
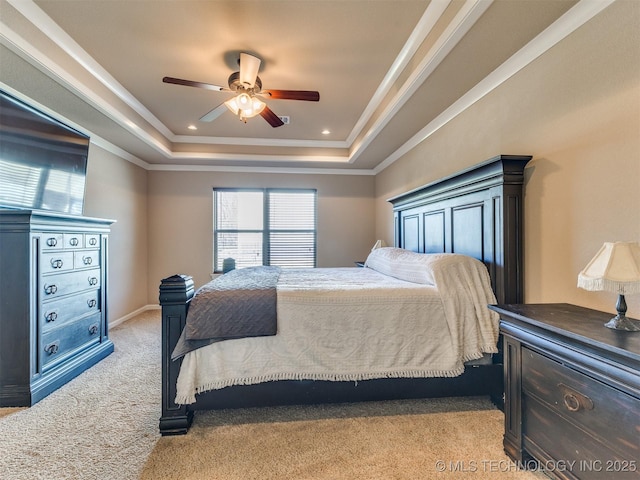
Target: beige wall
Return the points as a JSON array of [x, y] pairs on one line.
[[181, 219], [117, 189], [576, 109]]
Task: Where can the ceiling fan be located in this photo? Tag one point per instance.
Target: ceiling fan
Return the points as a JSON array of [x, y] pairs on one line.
[[247, 86]]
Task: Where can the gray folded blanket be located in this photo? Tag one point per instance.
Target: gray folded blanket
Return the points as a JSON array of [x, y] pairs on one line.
[[241, 303]]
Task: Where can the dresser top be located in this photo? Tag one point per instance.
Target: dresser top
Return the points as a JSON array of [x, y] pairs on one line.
[[582, 325], [23, 220]]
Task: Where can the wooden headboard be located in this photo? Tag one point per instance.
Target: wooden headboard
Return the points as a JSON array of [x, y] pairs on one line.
[[476, 212]]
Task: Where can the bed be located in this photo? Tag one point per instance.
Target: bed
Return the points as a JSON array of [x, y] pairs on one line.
[[470, 221]]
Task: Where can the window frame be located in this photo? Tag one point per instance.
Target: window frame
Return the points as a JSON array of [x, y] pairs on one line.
[[266, 227]]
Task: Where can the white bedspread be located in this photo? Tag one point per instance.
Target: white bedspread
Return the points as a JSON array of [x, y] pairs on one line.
[[356, 324]]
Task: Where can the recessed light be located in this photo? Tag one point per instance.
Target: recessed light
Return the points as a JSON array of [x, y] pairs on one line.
[[326, 131], [192, 127]]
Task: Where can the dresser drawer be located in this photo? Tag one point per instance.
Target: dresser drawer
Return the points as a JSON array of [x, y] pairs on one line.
[[63, 310], [584, 456], [91, 240], [51, 241], [587, 403], [86, 258], [54, 286], [60, 342], [56, 262], [73, 240]]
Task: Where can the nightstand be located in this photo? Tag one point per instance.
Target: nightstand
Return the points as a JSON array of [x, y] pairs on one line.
[[572, 391]]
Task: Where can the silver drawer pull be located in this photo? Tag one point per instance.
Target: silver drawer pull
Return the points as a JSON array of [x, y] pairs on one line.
[[92, 280], [92, 303], [52, 348], [50, 289], [574, 401], [56, 263], [93, 241], [87, 260], [52, 241], [74, 242], [571, 402], [51, 316], [93, 329]]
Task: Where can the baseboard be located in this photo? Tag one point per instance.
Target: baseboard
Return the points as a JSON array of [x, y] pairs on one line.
[[129, 316]]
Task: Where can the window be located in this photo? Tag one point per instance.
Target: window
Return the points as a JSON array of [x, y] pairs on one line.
[[264, 227]]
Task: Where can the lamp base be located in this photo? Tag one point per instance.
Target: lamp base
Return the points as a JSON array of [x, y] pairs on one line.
[[620, 322]]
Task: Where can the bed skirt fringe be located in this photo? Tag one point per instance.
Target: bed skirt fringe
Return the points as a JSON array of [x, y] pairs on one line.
[[346, 377], [478, 355]]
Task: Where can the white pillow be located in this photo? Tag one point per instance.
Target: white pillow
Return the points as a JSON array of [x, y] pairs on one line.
[[402, 264]]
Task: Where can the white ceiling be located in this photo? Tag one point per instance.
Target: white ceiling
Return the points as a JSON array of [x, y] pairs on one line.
[[389, 72]]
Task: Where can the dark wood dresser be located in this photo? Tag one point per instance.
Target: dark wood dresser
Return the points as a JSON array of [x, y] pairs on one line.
[[572, 392], [53, 295]]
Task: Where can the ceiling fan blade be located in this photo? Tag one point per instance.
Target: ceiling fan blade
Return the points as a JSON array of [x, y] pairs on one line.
[[249, 66], [308, 95], [213, 114], [191, 83], [271, 117]]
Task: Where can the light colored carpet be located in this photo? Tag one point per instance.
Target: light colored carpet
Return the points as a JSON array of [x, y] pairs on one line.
[[104, 425], [101, 425]]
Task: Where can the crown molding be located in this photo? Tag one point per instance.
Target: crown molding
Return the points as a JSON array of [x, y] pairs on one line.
[[425, 25], [573, 19], [57, 35], [273, 170], [261, 142], [468, 15]]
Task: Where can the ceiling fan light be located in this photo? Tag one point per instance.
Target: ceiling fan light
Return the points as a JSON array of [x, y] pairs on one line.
[[257, 105], [232, 105], [245, 106], [244, 101]]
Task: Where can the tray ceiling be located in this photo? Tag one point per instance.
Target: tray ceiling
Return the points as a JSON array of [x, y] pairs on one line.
[[389, 72]]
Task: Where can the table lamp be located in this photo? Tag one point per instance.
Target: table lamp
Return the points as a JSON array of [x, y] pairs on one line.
[[615, 268]]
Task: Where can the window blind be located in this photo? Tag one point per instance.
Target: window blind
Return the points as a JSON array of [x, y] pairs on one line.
[[265, 227]]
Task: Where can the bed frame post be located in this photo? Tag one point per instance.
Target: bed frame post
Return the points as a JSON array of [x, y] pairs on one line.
[[175, 295]]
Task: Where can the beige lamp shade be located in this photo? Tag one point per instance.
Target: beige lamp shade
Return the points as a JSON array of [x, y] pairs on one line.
[[615, 268]]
